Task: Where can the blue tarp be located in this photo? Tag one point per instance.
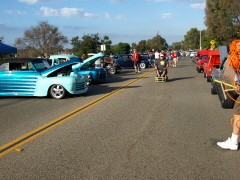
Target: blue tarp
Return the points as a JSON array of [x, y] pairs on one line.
[[7, 49]]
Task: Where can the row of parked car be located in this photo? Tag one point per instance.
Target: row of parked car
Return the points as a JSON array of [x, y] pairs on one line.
[[223, 77], [58, 75]]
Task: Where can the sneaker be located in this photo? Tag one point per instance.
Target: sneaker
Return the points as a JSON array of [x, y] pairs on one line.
[[228, 145], [139, 72]]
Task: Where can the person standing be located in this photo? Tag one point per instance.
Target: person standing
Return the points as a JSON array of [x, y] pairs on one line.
[[174, 56], [136, 59], [156, 62]]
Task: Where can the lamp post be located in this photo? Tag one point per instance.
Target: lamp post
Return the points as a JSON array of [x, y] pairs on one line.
[[200, 39]]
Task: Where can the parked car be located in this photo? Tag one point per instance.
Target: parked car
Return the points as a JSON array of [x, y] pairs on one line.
[[125, 60], [111, 66], [203, 57], [146, 60], [57, 59], [35, 77], [224, 79], [195, 59], [193, 54], [213, 62], [87, 66], [108, 64]]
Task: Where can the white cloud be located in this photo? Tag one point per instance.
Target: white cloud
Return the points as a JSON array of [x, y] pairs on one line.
[[20, 12], [198, 5], [8, 11], [117, 17], [166, 15], [91, 16], [41, 1], [67, 12], [16, 11], [121, 17], [109, 16]]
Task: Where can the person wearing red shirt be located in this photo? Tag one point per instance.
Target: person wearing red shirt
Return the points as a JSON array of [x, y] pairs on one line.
[[174, 56], [136, 60]]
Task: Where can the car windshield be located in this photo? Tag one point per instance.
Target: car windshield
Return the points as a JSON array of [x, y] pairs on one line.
[[204, 57], [40, 65]]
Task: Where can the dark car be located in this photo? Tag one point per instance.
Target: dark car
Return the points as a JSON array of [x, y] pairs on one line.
[[125, 61], [111, 66], [146, 60]]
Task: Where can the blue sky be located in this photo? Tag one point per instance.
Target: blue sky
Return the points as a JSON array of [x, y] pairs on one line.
[[128, 21]]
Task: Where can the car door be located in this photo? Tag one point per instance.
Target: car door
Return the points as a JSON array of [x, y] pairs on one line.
[[129, 61], [124, 60], [22, 81]]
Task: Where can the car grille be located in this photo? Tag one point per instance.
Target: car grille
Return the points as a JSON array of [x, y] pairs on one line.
[[81, 86]]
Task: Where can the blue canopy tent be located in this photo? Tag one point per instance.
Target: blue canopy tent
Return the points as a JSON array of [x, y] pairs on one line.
[[6, 49]]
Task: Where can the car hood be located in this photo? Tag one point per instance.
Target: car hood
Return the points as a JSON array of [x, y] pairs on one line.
[[54, 68], [86, 63]]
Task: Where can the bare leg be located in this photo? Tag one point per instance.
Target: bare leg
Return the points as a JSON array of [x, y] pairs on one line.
[[236, 124]]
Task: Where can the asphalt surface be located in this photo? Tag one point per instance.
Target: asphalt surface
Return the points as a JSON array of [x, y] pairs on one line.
[[145, 130]]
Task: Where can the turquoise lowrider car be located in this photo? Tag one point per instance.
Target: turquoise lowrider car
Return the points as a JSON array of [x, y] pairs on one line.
[[35, 77], [86, 67]]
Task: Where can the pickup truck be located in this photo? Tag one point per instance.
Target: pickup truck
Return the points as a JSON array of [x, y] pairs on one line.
[[213, 62], [203, 57], [225, 79]]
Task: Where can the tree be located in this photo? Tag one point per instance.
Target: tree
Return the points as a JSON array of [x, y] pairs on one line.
[[157, 43], [222, 20], [192, 39], [142, 46], [89, 43], [44, 38], [107, 42], [177, 45], [123, 48]]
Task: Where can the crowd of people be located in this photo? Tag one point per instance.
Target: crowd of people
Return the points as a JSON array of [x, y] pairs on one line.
[[162, 60]]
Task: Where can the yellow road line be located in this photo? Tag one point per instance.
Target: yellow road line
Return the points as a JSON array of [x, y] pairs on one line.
[[5, 149]]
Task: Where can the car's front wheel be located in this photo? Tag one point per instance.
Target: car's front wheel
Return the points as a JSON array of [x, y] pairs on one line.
[[142, 65], [199, 69], [57, 91], [228, 103], [208, 78], [112, 71], [90, 79], [204, 75], [213, 88]]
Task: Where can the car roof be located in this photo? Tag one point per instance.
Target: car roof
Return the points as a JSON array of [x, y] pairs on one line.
[[19, 60], [63, 56]]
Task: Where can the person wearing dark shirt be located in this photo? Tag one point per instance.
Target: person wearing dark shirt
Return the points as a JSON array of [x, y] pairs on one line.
[[163, 65]]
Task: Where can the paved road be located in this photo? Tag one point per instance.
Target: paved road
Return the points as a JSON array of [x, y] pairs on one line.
[[145, 130]]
